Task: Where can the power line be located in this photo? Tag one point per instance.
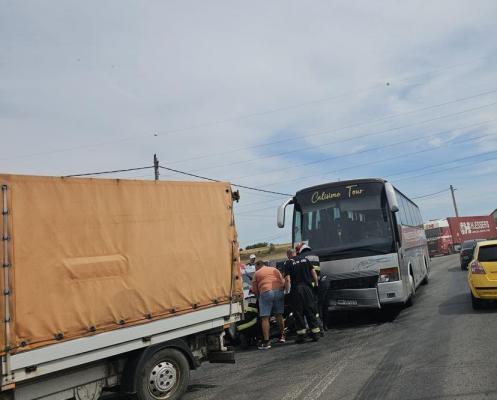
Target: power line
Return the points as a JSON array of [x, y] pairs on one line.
[[485, 153], [173, 170], [309, 102], [248, 212], [107, 172], [273, 200], [260, 202], [216, 180], [430, 194], [384, 159], [249, 115], [444, 169], [368, 135], [325, 132], [72, 148]]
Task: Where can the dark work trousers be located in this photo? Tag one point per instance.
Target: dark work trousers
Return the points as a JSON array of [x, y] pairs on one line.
[[323, 288], [304, 305]]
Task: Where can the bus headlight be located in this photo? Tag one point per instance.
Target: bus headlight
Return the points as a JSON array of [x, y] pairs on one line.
[[388, 275]]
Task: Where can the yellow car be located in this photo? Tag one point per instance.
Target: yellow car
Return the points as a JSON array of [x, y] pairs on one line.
[[482, 275]]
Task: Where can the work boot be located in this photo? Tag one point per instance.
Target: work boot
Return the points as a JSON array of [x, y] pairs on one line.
[[315, 337]]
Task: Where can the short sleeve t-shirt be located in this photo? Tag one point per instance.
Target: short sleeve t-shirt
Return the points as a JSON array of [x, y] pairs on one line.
[[300, 271], [268, 278]]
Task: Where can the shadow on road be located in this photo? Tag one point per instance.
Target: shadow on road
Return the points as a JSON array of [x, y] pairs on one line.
[[460, 304], [197, 387], [350, 319]]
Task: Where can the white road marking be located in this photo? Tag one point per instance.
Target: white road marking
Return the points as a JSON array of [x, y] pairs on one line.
[[338, 363], [295, 394], [327, 380]]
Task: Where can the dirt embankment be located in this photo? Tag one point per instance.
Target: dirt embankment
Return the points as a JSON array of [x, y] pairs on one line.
[[269, 253]]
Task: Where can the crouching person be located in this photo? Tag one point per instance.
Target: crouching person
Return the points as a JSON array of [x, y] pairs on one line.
[[268, 285]]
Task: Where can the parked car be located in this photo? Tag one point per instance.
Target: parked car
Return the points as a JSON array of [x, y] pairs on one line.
[[467, 250], [482, 276]]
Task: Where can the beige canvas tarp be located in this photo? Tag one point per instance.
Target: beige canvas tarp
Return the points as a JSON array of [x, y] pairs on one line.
[[90, 255]]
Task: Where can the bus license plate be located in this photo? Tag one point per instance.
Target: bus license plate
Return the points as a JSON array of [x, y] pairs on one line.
[[347, 302]]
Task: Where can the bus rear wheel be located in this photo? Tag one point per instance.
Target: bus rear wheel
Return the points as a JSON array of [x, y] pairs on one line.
[[410, 300]]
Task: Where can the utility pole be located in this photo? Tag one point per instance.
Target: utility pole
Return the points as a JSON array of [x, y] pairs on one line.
[[156, 167], [452, 190]]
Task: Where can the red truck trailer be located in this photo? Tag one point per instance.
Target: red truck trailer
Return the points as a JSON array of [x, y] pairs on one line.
[[474, 227], [445, 235]]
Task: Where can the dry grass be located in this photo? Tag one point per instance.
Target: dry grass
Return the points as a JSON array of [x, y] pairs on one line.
[[264, 253]]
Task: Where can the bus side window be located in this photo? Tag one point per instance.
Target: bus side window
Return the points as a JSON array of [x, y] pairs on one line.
[[420, 218], [403, 210], [411, 221]]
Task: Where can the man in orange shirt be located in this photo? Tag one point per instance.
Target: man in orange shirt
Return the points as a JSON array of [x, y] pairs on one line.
[[268, 285]]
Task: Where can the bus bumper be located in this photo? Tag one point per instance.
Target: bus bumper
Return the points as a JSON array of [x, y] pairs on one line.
[[391, 292], [353, 298]]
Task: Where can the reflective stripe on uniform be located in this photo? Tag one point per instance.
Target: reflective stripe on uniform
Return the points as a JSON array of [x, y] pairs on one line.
[[252, 309], [246, 325], [315, 330], [301, 332]]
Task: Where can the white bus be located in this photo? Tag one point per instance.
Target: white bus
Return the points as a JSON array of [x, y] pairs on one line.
[[369, 238]]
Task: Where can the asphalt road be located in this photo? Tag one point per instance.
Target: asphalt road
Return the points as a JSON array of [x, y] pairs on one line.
[[437, 349]]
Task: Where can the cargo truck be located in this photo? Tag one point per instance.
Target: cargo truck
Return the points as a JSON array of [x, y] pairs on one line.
[[446, 235], [114, 284]]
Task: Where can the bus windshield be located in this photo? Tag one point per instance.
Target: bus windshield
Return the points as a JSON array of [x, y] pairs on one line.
[[342, 218]]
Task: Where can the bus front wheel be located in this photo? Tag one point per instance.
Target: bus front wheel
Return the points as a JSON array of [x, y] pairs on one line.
[[410, 300]]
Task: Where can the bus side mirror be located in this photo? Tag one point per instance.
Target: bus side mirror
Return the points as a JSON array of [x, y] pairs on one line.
[[281, 212], [391, 197]]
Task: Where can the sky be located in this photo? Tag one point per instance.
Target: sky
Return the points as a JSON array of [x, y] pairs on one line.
[[275, 95]]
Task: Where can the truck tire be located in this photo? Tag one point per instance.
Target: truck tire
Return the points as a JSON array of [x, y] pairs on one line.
[[165, 375]]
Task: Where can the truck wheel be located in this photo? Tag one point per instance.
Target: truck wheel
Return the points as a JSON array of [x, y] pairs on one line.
[[165, 375]]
